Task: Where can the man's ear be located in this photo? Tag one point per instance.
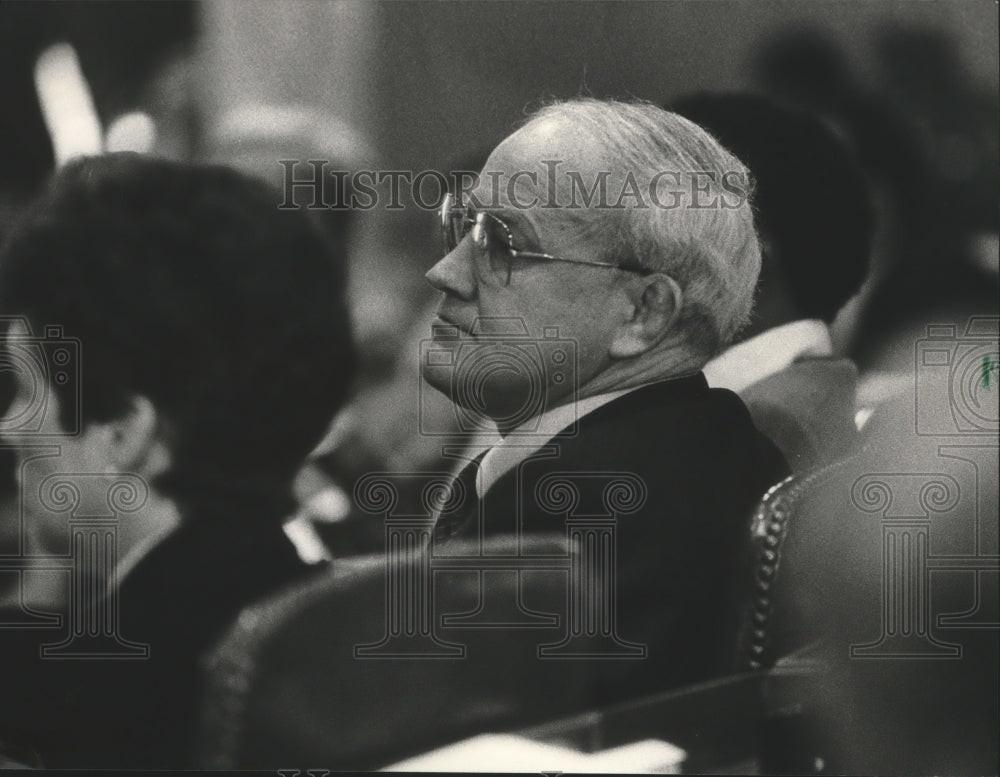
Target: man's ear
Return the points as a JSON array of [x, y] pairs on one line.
[[654, 302], [135, 442]]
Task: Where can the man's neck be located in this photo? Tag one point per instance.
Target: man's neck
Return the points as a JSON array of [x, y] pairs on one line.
[[665, 363]]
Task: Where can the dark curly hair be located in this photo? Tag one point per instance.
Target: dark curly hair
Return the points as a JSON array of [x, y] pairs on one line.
[[811, 202], [187, 285]]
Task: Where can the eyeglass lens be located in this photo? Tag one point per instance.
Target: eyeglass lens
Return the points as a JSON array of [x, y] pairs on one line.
[[490, 237]]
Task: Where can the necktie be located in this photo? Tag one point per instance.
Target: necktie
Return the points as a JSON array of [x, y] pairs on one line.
[[449, 523]]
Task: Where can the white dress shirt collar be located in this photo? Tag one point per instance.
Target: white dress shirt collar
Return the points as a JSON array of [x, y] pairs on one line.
[[773, 350], [529, 438]]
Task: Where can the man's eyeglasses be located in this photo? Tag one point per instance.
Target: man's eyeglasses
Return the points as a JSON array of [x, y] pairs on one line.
[[494, 246]]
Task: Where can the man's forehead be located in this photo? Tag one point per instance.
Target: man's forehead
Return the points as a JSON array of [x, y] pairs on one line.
[[538, 142], [524, 163]]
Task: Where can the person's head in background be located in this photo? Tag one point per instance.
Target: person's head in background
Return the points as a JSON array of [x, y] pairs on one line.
[[214, 343], [811, 204]]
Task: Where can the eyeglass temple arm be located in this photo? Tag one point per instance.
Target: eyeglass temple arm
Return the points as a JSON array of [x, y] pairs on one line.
[[537, 255]]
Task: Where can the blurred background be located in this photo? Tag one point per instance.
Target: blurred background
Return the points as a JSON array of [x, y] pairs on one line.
[[911, 86]]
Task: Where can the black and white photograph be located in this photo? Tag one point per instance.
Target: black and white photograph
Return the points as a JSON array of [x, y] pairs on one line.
[[494, 386]]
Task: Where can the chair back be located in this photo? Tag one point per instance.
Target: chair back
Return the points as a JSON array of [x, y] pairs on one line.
[[334, 673]]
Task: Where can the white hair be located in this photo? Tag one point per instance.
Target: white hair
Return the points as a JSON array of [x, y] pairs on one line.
[[712, 252]]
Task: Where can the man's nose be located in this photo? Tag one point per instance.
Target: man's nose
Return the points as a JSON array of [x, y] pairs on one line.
[[453, 273]]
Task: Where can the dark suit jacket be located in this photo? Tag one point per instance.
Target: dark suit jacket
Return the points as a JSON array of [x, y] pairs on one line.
[[807, 409], [180, 599], [703, 466]]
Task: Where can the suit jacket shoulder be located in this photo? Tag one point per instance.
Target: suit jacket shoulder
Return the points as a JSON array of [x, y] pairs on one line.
[[179, 600]]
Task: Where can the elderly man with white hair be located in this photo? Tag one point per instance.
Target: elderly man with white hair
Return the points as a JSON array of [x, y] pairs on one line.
[[606, 252]]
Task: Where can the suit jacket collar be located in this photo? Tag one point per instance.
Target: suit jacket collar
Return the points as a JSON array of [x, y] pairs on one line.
[[565, 422]]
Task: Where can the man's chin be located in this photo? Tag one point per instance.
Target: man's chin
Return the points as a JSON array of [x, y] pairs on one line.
[[492, 403]]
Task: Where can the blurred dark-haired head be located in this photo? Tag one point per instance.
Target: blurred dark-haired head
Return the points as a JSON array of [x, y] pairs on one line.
[[189, 287], [804, 64], [811, 201]]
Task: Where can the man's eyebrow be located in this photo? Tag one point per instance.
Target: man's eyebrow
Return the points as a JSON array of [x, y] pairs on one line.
[[516, 222]]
